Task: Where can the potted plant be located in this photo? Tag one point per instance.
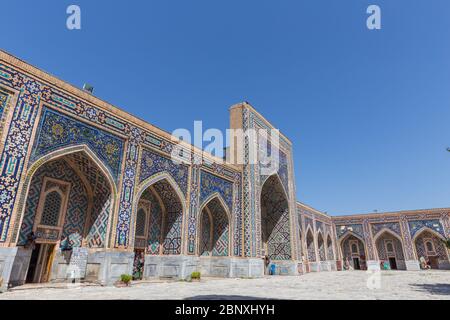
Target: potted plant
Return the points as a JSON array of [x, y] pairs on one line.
[[125, 280], [195, 276]]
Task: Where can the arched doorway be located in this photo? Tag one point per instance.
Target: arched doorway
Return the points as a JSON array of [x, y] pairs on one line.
[[353, 252], [275, 226], [68, 207], [310, 246], [158, 221], [429, 245], [390, 250], [214, 230], [321, 247], [330, 252]]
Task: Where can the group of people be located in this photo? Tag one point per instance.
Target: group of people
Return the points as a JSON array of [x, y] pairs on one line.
[[347, 265], [424, 263]]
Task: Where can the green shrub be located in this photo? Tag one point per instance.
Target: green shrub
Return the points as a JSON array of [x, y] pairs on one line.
[[126, 278], [196, 275]]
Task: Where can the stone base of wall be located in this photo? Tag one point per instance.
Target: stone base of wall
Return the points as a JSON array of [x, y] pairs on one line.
[[7, 256], [20, 267], [285, 268], [325, 266], [444, 265], [314, 267], [333, 265], [373, 265], [181, 267], [412, 265], [216, 266], [106, 267], [247, 268], [171, 267]]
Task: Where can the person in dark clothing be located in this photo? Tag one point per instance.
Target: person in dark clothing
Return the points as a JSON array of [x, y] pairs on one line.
[[31, 241]]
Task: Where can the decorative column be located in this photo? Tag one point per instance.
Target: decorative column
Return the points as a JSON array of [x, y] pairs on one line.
[[371, 259], [315, 266], [411, 260], [194, 205], [128, 187], [17, 143]]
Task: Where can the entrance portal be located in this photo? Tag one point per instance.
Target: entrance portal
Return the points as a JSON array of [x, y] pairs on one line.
[[353, 252], [430, 245], [275, 227], [67, 206], [356, 264], [41, 263], [393, 263]]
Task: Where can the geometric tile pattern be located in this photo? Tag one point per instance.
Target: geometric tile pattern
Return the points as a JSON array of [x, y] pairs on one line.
[[210, 184], [154, 232], [77, 203], [439, 247], [57, 131], [282, 162], [220, 229], [393, 226], [347, 250], [173, 217], [140, 223], [237, 215], [330, 253], [310, 246], [3, 100], [320, 227], [52, 209], [354, 228], [397, 248], [79, 124], [101, 192], [18, 139], [128, 188], [275, 220], [205, 235], [321, 247], [153, 163], [416, 225], [193, 208], [253, 181]]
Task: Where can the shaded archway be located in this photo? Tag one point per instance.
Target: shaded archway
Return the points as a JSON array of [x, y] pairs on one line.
[[429, 245], [158, 217], [330, 251], [321, 247], [390, 250], [68, 205], [353, 252], [214, 233], [275, 226], [310, 246]]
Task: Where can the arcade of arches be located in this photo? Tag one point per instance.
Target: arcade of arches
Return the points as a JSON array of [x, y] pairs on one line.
[[90, 192]]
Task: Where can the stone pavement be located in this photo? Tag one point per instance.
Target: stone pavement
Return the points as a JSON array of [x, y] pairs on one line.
[[352, 285]]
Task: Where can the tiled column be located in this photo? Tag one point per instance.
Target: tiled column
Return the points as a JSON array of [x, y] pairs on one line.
[[371, 259], [411, 261]]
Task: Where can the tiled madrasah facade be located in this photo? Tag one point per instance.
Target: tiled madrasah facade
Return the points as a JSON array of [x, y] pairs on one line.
[[89, 191]]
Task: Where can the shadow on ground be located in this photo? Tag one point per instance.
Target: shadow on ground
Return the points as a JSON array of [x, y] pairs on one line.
[[437, 288], [222, 297]]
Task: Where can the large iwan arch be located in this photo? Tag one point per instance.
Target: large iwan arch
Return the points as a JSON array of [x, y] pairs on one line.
[[69, 202]]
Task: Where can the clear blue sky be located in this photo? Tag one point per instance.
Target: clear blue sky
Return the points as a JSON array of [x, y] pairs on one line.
[[368, 111]]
